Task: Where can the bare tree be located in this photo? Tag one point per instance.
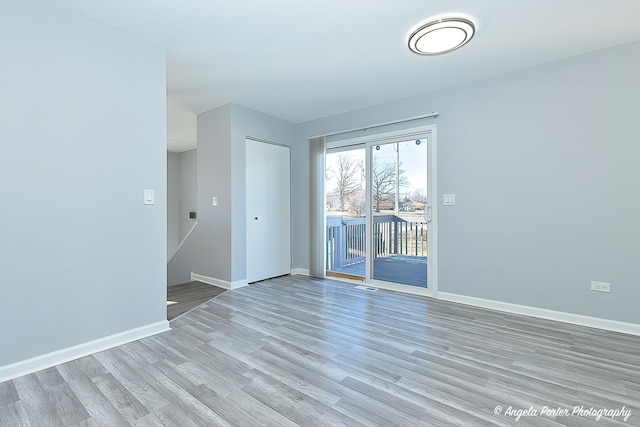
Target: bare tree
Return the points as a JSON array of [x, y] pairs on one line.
[[419, 196], [345, 172], [383, 182]]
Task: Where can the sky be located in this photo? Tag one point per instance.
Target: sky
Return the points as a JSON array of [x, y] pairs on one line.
[[413, 160]]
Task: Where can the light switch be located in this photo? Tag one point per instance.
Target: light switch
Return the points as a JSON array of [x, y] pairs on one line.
[[214, 201], [149, 197], [449, 199]]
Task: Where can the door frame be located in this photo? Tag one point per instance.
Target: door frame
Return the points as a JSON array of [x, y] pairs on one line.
[[428, 132]]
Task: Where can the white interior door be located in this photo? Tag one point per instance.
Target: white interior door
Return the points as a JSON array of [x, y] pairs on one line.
[[279, 211], [257, 208], [268, 210]]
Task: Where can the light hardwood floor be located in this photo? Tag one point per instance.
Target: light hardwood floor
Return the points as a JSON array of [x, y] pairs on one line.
[[300, 351], [187, 296]]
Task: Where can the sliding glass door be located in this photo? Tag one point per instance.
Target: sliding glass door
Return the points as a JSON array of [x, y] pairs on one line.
[[380, 223], [400, 211], [345, 209]]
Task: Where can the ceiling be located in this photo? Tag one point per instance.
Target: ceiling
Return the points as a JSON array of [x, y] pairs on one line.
[[303, 60]]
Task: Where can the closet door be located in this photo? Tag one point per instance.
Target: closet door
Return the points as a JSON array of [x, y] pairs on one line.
[[268, 210], [257, 204], [279, 210]]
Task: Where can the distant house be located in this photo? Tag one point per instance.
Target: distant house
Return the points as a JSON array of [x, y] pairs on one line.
[[385, 205], [413, 206]]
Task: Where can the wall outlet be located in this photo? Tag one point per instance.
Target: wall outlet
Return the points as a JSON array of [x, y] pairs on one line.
[[600, 286], [214, 201]]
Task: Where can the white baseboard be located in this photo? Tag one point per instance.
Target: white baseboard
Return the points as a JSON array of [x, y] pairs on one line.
[[543, 313], [300, 271], [217, 282], [34, 364]]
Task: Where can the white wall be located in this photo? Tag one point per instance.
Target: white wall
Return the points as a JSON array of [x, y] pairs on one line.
[[173, 203], [181, 196], [188, 191], [544, 165], [83, 131], [182, 125]]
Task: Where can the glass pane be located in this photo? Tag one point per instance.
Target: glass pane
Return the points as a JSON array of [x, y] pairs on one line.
[[345, 212], [399, 204]]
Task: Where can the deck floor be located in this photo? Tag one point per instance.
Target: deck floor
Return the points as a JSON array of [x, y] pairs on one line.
[[407, 270]]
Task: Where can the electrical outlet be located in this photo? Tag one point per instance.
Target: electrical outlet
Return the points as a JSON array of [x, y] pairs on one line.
[[600, 286], [214, 201]]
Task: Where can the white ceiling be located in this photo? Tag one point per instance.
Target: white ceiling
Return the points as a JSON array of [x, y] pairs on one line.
[[302, 60]]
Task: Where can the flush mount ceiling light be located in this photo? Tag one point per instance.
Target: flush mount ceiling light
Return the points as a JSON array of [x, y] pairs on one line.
[[441, 36]]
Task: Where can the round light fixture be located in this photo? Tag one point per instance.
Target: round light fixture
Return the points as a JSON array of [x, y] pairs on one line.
[[441, 36]]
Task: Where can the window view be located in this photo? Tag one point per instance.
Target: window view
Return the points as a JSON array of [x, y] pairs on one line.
[[399, 205], [345, 186]]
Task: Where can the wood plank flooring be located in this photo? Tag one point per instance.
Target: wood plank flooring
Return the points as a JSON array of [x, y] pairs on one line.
[[299, 351], [187, 296]]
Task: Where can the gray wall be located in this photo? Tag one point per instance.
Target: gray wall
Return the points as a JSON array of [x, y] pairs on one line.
[[217, 247], [173, 202], [81, 256], [188, 199], [208, 249], [544, 165]]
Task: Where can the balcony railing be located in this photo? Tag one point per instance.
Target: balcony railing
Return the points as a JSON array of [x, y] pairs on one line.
[[392, 235]]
